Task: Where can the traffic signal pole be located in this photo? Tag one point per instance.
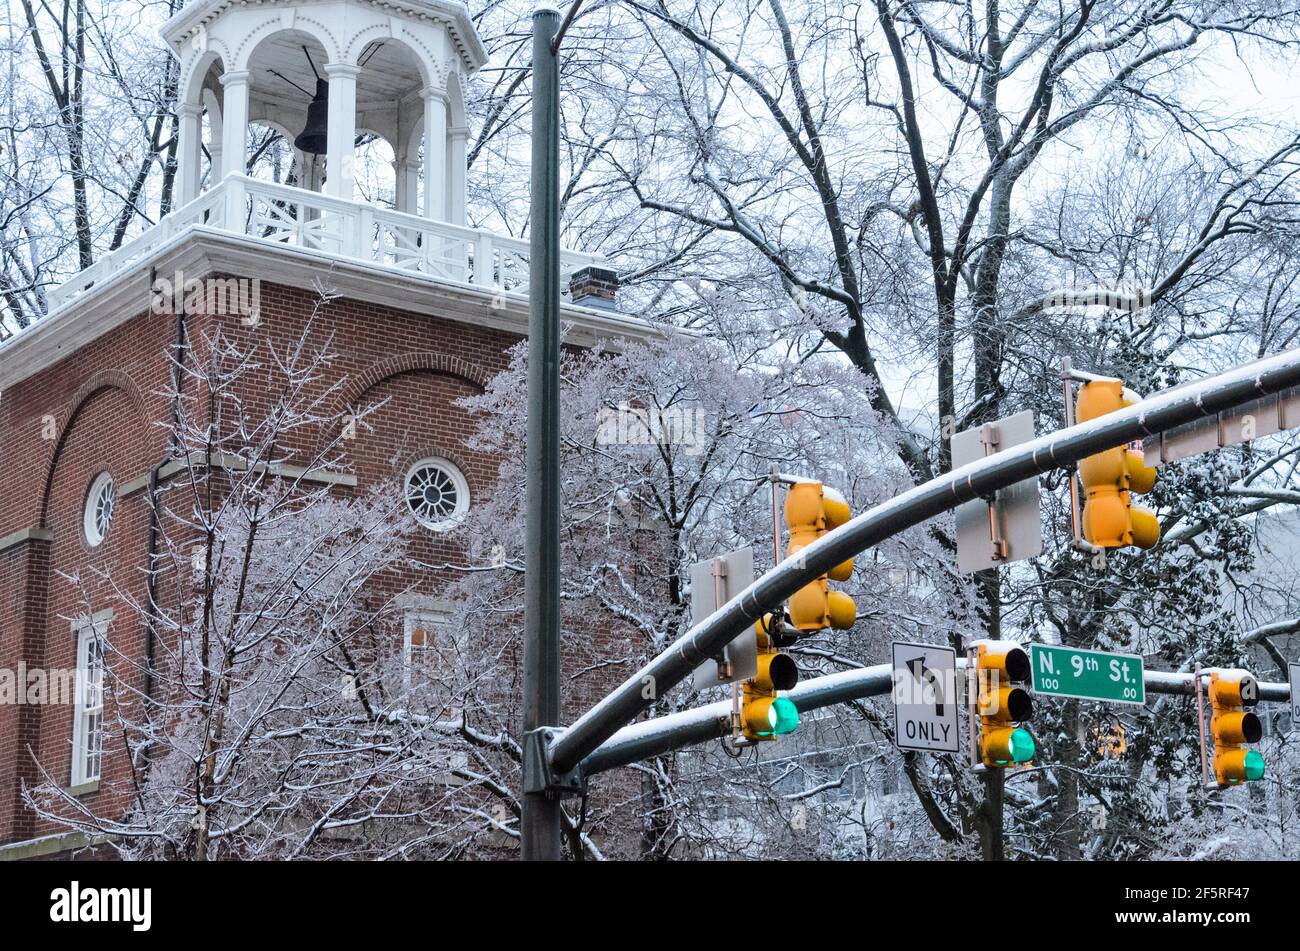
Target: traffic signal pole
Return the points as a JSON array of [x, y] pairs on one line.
[[979, 479], [539, 824], [650, 738]]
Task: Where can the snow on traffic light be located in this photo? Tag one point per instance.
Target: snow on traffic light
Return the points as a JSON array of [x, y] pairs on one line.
[[1110, 519], [811, 510]]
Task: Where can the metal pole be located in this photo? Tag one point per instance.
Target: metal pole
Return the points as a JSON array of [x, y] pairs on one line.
[[1200, 725], [1155, 414], [1067, 382], [539, 824], [650, 738]]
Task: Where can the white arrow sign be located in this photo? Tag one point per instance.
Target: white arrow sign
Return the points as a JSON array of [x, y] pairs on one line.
[[925, 698]]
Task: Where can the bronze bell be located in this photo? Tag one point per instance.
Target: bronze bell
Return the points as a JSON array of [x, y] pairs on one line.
[[315, 137]]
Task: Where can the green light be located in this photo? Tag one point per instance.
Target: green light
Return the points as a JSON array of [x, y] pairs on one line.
[[1021, 746], [784, 716], [1254, 765]]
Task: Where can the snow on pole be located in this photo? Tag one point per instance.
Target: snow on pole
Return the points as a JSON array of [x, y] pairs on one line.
[[1156, 413]]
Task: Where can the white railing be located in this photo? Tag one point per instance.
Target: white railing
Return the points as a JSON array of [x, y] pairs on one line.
[[208, 209], [281, 214]]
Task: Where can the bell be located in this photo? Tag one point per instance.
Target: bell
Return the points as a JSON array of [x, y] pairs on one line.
[[315, 137]]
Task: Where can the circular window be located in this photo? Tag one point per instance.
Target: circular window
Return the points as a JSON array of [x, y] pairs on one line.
[[437, 493], [99, 508]]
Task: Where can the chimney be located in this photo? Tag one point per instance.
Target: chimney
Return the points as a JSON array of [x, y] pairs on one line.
[[594, 287]]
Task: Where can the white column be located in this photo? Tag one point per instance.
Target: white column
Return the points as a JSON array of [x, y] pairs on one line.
[[314, 169], [435, 154], [408, 185], [234, 123], [189, 154], [215, 151], [456, 159], [340, 175]]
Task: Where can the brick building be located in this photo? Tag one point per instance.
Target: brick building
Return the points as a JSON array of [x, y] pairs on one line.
[[422, 312]]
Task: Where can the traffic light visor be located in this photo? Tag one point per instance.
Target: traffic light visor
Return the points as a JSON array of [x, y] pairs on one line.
[[1006, 704], [1097, 398], [836, 508], [776, 672], [1238, 728], [1254, 766], [1141, 477], [1240, 690], [1145, 527], [1004, 747], [1021, 746], [1009, 660], [768, 716], [843, 612], [803, 506], [783, 716], [1237, 766]]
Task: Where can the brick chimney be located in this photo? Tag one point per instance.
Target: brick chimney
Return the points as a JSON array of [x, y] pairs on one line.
[[594, 287]]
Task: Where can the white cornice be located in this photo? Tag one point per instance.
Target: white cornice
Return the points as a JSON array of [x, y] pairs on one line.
[[451, 14], [200, 251]]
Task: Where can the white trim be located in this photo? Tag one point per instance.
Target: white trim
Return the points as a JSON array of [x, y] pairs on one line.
[[199, 251], [97, 512], [88, 706], [457, 479], [419, 618], [453, 16]]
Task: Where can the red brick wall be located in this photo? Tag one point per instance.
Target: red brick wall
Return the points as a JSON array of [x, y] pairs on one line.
[[90, 412], [107, 404]]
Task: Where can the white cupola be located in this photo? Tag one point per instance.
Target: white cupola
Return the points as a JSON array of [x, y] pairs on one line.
[[321, 73]]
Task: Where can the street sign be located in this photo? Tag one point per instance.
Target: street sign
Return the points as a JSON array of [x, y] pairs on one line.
[[1295, 697], [713, 584], [1086, 674], [925, 698], [1010, 529]]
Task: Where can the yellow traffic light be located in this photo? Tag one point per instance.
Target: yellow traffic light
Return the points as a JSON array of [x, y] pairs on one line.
[[1232, 727], [1000, 667], [1110, 519], [811, 510], [764, 715]]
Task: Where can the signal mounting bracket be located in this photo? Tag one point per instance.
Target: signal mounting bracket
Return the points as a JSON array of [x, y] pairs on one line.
[[540, 775]]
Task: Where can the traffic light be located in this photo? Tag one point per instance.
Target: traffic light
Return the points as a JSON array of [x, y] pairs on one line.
[[1110, 520], [1000, 667], [810, 512], [764, 715], [1233, 727]]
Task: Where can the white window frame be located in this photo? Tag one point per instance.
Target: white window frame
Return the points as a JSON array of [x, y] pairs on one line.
[[89, 517], [462, 493], [430, 620], [88, 700], [438, 619]]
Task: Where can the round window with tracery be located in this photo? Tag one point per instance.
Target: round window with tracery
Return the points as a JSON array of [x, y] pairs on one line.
[[99, 509], [437, 494]]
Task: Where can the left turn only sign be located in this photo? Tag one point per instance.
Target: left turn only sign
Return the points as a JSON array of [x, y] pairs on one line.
[[925, 698]]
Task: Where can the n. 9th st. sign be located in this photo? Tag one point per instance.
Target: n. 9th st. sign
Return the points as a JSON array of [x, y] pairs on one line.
[[1087, 675]]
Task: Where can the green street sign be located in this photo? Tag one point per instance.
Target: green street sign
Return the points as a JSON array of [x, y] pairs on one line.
[[1087, 675]]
